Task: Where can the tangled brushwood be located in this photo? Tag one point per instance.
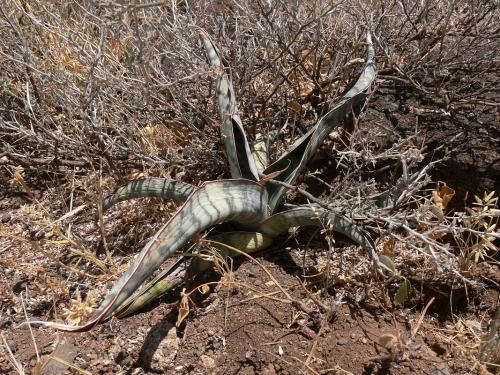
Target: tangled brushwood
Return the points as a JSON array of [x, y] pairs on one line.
[[108, 94]]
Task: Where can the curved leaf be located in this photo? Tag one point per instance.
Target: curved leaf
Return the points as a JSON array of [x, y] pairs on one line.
[[241, 201], [318, 217], [240, 159], [150, 187], [305, 147]]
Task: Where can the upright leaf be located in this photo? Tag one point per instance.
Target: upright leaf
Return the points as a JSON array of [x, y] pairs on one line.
[[240, 159], [305, 147], [259, 152]]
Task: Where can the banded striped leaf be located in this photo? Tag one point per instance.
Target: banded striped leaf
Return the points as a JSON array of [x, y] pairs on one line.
[[296, 158], [168, 280], [259, 152], [277, 224], [241, 201], [239, 156], [150, 187], [318, 217], [250, 242]]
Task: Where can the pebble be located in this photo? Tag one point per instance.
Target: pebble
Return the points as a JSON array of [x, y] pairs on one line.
[[343, 341], [269, 370], [208, 362]]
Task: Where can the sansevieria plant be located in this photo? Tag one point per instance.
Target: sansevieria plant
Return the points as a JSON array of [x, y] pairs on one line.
[[250, 201]]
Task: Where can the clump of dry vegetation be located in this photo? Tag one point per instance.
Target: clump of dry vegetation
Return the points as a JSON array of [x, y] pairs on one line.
[[94, 94]]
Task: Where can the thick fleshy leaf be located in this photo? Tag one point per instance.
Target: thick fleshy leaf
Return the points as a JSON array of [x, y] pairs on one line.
[[318, 217], [239, 156], [150, 187], [168, 279], [259, 152], [248, 242], [305, 147], [241, 201], [155, 291]]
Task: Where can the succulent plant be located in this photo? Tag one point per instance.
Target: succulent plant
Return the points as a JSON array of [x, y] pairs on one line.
[[251, 200]]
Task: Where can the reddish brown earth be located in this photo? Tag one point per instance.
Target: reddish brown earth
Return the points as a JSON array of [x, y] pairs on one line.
[[235, 330]]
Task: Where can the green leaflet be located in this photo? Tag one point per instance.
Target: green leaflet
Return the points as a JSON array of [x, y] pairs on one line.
[[164, 282], [150, 187], [305, 147], [387, 263], [403, 292], [241, 201], [156, 290], [240, 159]]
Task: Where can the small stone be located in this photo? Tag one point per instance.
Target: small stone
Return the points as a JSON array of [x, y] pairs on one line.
[[208, 362], [13, 345], [363, 340], [343, 341], [269, 370]]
